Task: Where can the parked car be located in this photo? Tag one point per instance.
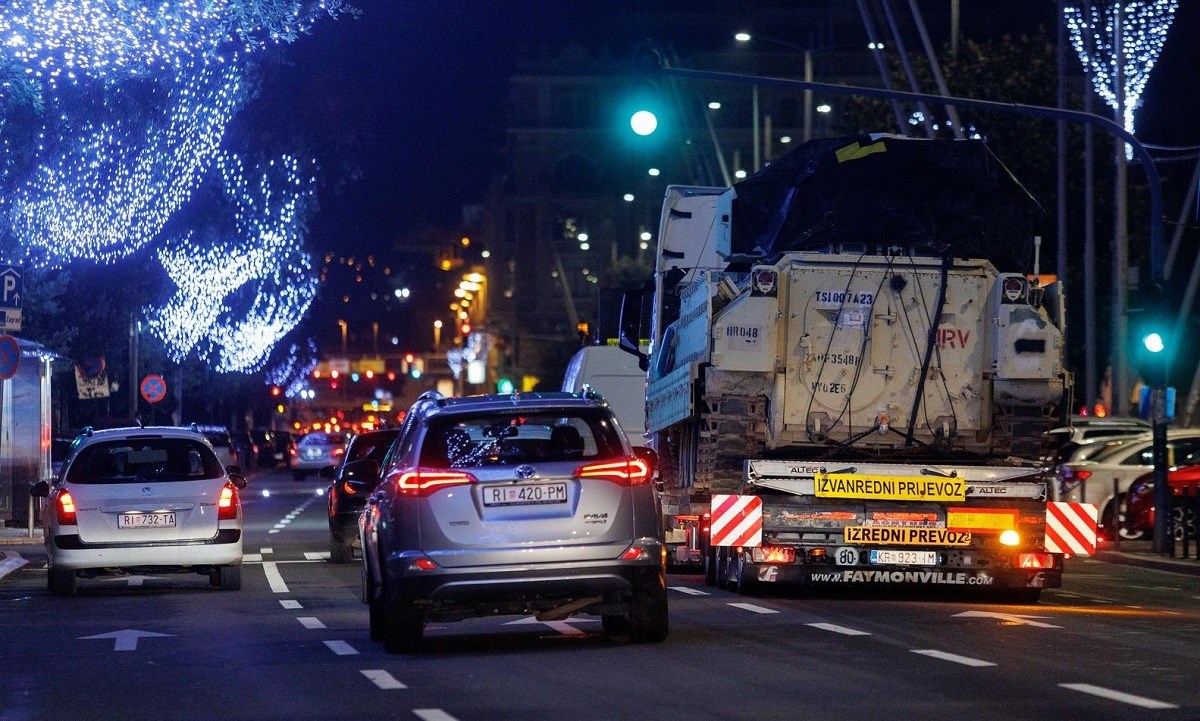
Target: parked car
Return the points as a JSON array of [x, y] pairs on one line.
[[1137, 512], [512, 504], [1092, 480], [316, 450], [151, 499], [1083, 429], [221, 441], [245, 450], [348, 491]]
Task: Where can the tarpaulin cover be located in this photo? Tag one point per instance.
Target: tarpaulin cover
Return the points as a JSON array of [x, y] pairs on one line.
[[886, 190]]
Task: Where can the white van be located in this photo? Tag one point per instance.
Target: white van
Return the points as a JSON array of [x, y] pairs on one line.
[[615, 376]]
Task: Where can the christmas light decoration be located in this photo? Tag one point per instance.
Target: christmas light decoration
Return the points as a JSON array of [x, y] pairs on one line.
[[1093, 29], [237, 297], [293, 371]]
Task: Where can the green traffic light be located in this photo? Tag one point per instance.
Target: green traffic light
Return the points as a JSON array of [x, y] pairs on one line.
[[643, 122], [504, 385], [1154, 342]]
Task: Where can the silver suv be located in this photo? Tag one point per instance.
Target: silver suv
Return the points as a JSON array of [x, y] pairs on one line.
[[511, 504]]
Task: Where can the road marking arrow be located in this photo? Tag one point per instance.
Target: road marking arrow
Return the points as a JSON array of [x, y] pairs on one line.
[[126, 640], [1013, 618]]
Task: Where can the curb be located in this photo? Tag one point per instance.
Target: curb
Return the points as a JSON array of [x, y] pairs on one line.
[[1185, 566]]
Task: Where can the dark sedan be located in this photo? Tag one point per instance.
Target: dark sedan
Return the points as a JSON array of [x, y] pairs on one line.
[[348, 495]]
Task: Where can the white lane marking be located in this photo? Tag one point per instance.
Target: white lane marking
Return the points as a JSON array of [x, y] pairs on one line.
[[1100, 600], [688, 591], [273, 578], [310, 622], [281, 562], [266, 550], [433, 714], [341, 648], [316, 555], [293, 514], [753, 608], [251, 557], [382, 679], [964, 660], [562, 627], [1066, 595], [273, 530], [289, 603], [838, 629], [1012, 618], [11, 564], [1118, 696], [278, 526]]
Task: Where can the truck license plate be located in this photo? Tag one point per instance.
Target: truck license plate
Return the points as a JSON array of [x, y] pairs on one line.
[[904, 558], [146, 520], [525, 495]]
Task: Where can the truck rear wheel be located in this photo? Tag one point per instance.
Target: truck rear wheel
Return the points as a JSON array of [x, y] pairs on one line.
[[743, 584]]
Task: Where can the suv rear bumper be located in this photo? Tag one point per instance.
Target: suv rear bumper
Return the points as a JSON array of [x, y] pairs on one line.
[[519, 583]]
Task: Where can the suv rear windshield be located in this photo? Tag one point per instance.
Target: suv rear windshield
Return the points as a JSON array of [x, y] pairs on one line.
[[137, 460], [318, 438], [462, 441]]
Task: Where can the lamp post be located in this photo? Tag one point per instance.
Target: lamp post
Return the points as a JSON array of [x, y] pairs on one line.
[[437, 336], [343, 325], [744, 37]]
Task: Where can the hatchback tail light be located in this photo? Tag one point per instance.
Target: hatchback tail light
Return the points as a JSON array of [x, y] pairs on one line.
[[65, 509], [625, 472], [338, 452], [227, 504], [424, 481]]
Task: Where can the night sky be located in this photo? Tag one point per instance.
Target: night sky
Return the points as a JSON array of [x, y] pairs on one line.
[[405, 105]]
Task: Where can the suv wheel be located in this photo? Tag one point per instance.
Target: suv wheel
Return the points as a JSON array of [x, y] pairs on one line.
[[339, 551], [648, 612], [61, 582], [403, 625], [374, 606]]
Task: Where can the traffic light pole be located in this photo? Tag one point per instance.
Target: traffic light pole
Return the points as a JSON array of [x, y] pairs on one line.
[[1162, 494]]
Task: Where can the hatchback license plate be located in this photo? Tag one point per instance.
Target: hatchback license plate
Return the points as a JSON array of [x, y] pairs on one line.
[[904, 558], [146, 520], [525, 495]]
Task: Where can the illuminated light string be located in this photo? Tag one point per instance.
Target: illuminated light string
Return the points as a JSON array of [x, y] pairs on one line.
[[1144, 26], [237, 297], [292, 372]]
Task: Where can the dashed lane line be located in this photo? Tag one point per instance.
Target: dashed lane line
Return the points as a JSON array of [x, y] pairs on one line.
[[689, 591], [952, 657], [1112, 695], [310, 622], [752, 608], [838, 629], [251, 557], [265, 551], [316, 555], [433, 714], [273, 578], [341, 648], [290, 604], [382, 679]]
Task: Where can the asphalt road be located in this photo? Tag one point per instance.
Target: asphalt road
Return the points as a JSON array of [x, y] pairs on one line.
[[1117, 642]]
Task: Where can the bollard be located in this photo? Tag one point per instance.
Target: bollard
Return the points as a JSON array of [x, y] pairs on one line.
[[1116, 530], [1184, 503]]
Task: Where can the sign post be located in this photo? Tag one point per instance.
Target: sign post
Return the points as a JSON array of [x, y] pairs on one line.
[[11, 290]]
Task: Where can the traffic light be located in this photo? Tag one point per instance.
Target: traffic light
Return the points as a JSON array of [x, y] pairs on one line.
[[465, 328], [504, 385], [276, 391]]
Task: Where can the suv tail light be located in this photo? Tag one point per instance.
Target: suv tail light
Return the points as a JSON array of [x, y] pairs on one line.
[[227, 504], [64, 508], [625, 472], [338, 452], [424, 481]]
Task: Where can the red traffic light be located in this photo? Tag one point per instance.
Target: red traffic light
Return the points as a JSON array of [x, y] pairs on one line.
[[276, 390], [465, 328]]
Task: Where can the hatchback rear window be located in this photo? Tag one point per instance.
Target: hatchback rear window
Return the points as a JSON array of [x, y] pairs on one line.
[[323, 439], [138, 460], [459, 441]]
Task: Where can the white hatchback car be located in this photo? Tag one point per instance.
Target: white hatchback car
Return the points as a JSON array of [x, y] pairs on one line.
[[150, 499]]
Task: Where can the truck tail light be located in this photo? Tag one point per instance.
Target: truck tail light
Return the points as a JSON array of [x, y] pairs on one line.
[[1034, 560], [424, 481], [625, 472], [65, 509], [773, 554], [227, 503]]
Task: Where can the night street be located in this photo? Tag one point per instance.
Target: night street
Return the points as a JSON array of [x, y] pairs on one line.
[[1116, 642]]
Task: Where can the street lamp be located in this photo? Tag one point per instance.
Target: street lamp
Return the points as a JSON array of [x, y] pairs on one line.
[[437, 336], [343, 325], [744, 37]]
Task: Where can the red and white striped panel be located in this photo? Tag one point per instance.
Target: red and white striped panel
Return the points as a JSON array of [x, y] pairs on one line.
[[736, 521], [1071, 528]]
